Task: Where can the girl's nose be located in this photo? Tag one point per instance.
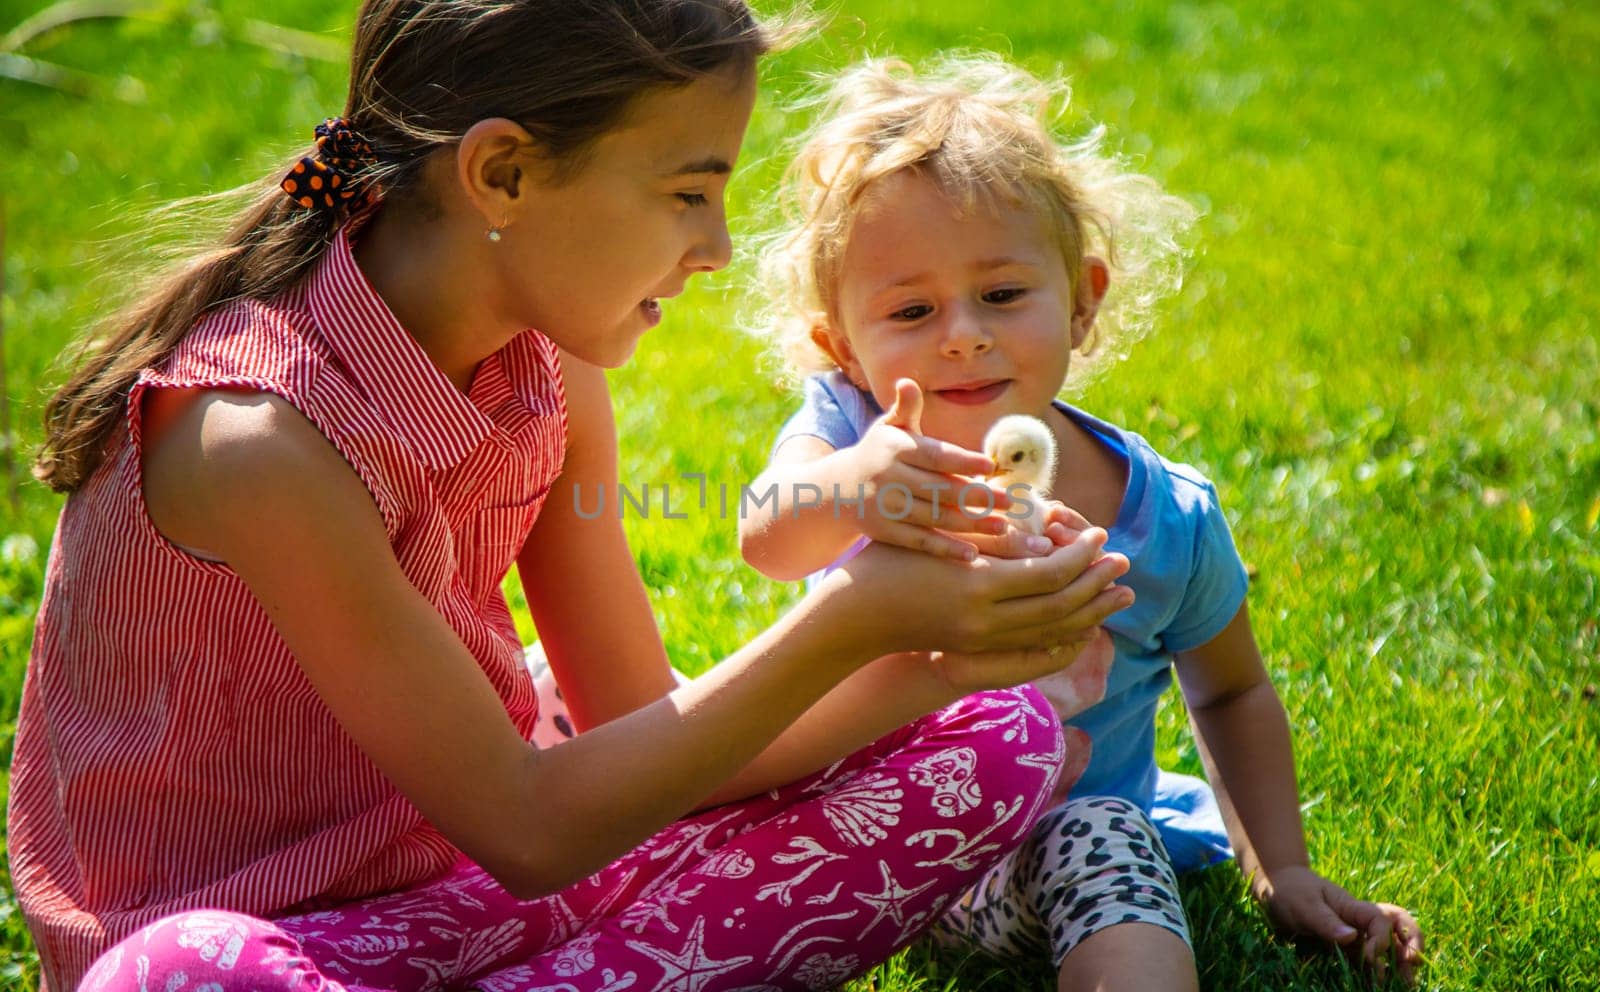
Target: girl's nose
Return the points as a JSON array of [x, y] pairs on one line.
[[713, 249], [966, 335]]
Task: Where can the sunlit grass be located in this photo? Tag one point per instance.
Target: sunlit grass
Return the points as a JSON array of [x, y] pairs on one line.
[[1385, 356]]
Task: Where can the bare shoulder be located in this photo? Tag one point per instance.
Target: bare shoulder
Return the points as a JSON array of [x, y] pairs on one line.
[[219, 464]]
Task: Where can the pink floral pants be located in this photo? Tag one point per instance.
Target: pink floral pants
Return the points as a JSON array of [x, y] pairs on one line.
[[803, 887]]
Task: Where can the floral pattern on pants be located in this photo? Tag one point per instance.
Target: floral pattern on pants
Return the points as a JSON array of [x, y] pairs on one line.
[[801, 887]]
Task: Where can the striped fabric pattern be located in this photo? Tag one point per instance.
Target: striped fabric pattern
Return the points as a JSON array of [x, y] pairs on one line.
[[169, 753]]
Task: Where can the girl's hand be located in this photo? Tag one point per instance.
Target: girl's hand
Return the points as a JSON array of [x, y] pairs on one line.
[[912, 485], [895, 600], [969, 673], [1063, 525], [1299, 901]]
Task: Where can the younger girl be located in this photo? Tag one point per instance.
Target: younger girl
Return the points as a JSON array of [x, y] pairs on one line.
[[274, 733], [948, 262]]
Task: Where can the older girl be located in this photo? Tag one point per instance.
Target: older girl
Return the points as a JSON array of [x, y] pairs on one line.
[[274, 732]]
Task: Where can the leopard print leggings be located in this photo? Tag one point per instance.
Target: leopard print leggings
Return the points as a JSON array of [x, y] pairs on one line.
[[1088, 864]]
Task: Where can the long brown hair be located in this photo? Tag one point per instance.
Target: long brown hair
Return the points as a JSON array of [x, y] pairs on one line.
[[421, 73]]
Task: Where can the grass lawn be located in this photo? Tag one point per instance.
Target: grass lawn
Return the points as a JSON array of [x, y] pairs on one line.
[[1386, 357]]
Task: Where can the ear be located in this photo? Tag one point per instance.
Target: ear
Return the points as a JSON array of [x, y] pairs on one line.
[[837, 347], [492, 166], [1094, 278]]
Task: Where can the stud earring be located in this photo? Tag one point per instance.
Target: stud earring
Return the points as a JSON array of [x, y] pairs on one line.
[[494, 235]]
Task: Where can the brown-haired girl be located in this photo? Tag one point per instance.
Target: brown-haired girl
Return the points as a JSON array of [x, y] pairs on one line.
[[274, 732]]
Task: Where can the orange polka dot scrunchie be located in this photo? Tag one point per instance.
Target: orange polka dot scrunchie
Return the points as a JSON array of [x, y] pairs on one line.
[[336, 175]]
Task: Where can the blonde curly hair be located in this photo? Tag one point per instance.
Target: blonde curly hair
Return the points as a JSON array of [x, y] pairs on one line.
[[980, 128]]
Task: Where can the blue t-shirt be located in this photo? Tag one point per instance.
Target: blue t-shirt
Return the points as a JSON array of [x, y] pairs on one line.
[[1188, 583]]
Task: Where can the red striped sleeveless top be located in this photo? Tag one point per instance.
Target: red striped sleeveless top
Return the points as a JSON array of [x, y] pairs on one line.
[[169, 752]]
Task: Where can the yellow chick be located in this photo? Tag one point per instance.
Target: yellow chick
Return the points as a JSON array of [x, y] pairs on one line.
[[1024, 453]]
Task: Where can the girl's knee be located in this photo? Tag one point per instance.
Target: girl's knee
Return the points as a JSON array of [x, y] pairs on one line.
[[992, 752], [1097, 863], [1017, 727], [206, 950]]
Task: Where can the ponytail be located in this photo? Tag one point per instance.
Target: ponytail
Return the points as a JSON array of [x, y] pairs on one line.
[[422, 73], [267, 248]]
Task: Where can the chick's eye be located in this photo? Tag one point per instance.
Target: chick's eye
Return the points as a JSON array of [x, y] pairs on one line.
[[1008, 295], [1017, 457], [692, 199], [914, 312]]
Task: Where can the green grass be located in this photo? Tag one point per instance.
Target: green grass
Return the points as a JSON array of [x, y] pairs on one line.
[[1386, 358]]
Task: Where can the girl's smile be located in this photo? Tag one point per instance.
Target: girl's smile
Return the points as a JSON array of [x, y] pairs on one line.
[[974, 394]]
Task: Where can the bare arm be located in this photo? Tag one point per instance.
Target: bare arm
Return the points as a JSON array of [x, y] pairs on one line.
[[250, 479], [893, 690], [895, 486], [247, 477], [606, 670], [1243, 735], [569, 564], [1244, 741], [798, 536]]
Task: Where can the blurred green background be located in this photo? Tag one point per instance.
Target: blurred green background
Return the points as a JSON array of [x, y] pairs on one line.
[[1385, 356]]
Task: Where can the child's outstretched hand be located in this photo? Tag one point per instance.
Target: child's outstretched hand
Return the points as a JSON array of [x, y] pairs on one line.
[[912, 484], [1379, 934], [1062, 525]]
